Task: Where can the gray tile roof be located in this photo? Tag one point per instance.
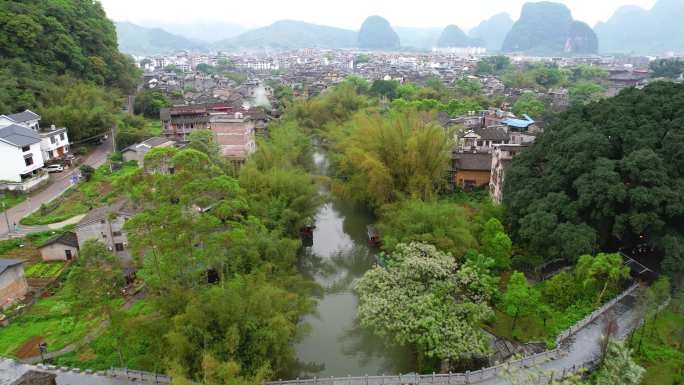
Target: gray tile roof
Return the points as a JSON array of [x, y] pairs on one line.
[[120, 207], [21, 117], [489, 133], [156, 141], [472, 161], [8, 263], [69, 239], [19, 136]]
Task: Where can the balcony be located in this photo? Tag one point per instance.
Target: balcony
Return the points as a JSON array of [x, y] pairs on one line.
[[28, 183]]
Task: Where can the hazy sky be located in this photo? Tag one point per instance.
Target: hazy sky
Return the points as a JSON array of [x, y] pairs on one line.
[[347, 13]]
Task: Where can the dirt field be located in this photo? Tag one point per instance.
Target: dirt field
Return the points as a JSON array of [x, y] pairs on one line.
[[29, 348]]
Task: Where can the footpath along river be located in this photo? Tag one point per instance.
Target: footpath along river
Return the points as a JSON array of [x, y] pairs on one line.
[[335, 345]]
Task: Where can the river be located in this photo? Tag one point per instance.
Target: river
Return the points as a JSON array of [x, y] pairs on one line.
[[335, 345]]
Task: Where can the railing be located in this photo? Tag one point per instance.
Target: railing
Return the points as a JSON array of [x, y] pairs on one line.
[[136, 375], [478, 375], [445, 379], [595, 314]]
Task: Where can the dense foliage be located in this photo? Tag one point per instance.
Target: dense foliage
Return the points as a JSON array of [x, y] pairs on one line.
[[199, 225], [417, 301], [43, 40], [382, 158], [606, 175]]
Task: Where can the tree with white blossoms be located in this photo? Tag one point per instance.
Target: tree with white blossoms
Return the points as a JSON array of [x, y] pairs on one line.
[[419, 300]]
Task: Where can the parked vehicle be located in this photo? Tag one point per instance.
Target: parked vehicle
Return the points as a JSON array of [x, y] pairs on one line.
[[54, 168]]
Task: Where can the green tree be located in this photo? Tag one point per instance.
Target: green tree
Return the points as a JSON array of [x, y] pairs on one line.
[[95, 282], [582, 93], [529, 104], [85, 109], [87, 172], [520, 299], [601, 273], [150, 102], [496, 244], [385, 88], [493, 65], [616, 187], [415, 302], [382, 158], [667, 68], [442, 224], [467, 87], [618, 367]]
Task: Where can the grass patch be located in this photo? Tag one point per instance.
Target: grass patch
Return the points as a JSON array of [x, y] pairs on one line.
[[527, 328], [662, 350], [44, 270], [78, 200], [50, 318], [127, 350], [9, 200]]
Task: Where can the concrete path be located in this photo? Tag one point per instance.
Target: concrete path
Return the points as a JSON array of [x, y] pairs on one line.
[[59, 183], [584, 346]]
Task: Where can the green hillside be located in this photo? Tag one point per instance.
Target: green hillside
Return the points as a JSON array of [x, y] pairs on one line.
[[138, 40]]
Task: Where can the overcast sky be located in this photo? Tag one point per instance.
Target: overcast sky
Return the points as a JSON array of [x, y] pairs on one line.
[[348, 13]]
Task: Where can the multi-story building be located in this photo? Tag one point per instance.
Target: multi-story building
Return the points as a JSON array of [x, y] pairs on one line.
[[501, 160], [234, 134], [26, 148], [106, 224]]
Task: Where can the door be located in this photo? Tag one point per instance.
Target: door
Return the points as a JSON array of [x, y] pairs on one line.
[[68, 255]]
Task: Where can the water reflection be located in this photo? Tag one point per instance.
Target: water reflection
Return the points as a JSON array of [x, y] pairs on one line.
[[336, 345]]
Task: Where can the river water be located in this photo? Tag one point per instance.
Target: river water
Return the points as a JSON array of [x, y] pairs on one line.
[[336, 345]]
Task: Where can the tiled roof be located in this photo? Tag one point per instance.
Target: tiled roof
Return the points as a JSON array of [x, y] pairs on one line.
[[8, 263], [19, 136], [69, 239], [473, 161], [22, 117]]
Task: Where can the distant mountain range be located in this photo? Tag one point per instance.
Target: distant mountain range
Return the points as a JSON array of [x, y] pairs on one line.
[[454, 37], [290, 34], [137, 40], [544, 28], [547, 28], [636, 30], [492, 32]]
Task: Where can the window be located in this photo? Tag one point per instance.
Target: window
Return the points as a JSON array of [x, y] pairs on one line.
[[479, 143], [53, 140], [28, 160], [119, 247], [51, 154], [61, 136], [26, 149], [116, 233], [67, 253]]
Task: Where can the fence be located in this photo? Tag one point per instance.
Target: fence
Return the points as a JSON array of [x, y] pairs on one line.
[[139, 376], [595, 314]]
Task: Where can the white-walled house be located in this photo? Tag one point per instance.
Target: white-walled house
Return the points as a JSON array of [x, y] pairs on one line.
[[54, 143], [21, 160], [25, 148]]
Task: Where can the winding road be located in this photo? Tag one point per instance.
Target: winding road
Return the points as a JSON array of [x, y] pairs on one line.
[[58, 184]]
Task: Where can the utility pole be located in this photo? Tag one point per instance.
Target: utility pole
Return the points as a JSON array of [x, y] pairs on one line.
[[4, 208], [114, 138]]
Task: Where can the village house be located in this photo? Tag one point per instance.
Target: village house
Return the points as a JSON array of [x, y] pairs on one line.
[[106, 224], [471, 170], [179, 122], [136, 152], [234, 134], [21, 160], [13, 285], [502, 157], [63, 247], [54, 142]]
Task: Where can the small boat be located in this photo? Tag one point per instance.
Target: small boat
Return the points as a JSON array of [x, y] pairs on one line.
[[373, 236]]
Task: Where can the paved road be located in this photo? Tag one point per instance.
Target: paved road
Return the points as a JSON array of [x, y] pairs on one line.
[[59, 183], [584, 346]]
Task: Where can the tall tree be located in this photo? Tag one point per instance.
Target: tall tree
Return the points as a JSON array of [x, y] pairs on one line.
[[416, 302], [520, 299]]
